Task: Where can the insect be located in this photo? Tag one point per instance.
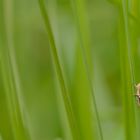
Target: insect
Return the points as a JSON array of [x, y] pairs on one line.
[[137, 95]]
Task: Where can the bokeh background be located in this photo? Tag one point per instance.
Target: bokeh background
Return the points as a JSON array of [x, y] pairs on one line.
[[44, 108]]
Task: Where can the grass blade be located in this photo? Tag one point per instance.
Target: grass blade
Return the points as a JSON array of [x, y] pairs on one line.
[[79, 11], [65, 94], [127, 71], [134, 27], [10, 75]]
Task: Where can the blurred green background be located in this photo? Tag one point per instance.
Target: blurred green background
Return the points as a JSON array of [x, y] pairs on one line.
[[45, 117]]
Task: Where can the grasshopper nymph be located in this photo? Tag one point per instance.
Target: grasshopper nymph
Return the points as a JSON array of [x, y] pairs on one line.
[[137, 95]]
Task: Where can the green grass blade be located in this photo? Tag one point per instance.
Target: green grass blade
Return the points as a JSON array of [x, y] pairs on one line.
[[127, 71], [4, 117], [79, 11], [65, 95], [134, 27], [10, 75], [82, 100]]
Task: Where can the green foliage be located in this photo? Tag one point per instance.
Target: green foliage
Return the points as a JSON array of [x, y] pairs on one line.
[[72, 78]]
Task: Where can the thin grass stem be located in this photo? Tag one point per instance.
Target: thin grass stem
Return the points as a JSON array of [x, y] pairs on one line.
[[65, 94], [79, 11], [127, 71]]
